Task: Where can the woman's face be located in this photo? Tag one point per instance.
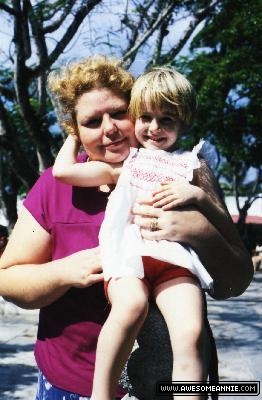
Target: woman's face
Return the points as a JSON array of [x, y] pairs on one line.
[[105, 129]]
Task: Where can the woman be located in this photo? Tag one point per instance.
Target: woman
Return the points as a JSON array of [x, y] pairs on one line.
[[46, 264], [3, 238]]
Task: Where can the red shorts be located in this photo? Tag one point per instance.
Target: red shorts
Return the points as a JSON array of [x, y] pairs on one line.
[[157, 271]]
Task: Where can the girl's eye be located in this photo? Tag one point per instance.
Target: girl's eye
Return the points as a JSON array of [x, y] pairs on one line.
[[145, 118], [168, 121]]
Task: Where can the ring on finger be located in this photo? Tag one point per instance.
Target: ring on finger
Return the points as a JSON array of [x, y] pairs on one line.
[[154, 225]]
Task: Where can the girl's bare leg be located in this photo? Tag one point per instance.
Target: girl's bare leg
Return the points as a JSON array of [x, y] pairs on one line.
[[181, 304], [129, 299]]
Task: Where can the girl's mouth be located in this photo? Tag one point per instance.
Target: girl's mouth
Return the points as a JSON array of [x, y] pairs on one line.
[[155, 139]]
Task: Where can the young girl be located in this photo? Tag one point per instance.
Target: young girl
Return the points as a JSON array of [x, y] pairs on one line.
[[163, 103]]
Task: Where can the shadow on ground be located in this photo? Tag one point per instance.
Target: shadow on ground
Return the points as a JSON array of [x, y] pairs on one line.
[[240, 318]]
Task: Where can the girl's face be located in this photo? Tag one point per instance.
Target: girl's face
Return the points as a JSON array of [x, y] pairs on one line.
[[158, 130], [105, 129]]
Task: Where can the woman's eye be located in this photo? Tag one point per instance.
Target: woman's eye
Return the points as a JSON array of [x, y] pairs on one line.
[[119, 114], [92, 123]]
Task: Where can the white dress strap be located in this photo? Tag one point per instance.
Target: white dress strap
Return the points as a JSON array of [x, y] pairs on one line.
[[209, 153], [194, 162]]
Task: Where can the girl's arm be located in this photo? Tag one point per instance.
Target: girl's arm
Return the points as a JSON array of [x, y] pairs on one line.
[[91, 173], [202, 193]]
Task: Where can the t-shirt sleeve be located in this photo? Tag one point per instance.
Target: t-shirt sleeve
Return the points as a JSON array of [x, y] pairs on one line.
[[38, 199]]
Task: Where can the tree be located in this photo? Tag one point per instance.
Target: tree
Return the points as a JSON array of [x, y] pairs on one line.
[[225, 68], [150, 29], [27, 142]]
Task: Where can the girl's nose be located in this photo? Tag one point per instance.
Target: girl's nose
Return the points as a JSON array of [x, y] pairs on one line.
[[154, 125]]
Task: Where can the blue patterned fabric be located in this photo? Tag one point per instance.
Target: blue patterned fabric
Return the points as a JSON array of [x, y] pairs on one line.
[[46, 391]]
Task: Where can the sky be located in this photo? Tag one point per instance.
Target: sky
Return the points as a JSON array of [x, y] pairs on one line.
[[88, 39]]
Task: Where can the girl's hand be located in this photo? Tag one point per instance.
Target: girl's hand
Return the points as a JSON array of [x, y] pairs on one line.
[[174, 194], [81, 269]]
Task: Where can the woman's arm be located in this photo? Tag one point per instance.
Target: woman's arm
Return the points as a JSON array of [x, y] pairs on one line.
[[27, 276], [91, 173], [226, 259], [203, 193]]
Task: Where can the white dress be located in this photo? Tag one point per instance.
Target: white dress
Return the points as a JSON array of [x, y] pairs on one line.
[[120, 240]]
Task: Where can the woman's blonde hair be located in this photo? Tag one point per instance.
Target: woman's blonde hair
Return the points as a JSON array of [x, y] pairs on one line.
[[69, 83], [164, 88]]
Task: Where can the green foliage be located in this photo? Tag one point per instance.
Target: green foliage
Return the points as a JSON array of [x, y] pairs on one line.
[[226, 71]]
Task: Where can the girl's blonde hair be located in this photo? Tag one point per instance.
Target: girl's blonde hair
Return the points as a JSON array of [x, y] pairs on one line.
[[69, 83], [164, 88]]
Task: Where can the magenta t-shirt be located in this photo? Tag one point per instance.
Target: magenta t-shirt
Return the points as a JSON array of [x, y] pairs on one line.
[[69, 328]]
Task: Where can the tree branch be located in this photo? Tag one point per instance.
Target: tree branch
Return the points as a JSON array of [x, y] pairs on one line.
[[130, 55], [7, 9], [8, 141], [52, 27], [136, 26], [42, 53], [69, 34], [199, 17], [7, 93], [159, 42]]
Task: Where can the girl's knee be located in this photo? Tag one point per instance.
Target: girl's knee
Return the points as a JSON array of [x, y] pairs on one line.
[[129, 300], [131, 310], [136, 307], [128, 293], [190, 336]]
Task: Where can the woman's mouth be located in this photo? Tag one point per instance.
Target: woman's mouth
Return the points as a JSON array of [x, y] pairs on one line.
[[115, 144]]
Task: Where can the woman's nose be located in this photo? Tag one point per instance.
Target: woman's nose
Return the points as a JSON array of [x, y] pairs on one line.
[[108, 125]]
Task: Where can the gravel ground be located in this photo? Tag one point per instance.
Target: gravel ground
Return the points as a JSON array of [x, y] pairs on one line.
[[18, 372], [236, 323]]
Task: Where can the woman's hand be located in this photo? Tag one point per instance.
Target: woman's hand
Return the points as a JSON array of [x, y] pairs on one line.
[[81, 269], [175, 225]]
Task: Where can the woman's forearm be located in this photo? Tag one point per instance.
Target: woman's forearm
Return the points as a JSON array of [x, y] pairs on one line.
[[32, 286], [229, 264], [38, 285], [27, 276]]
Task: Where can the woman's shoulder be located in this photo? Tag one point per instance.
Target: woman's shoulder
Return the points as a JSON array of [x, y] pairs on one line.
[[46, 178]]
